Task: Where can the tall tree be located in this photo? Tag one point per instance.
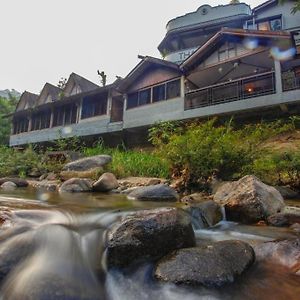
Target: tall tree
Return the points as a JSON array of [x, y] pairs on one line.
[[7, 106]]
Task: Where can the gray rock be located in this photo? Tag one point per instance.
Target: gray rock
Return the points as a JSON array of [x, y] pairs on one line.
[[284, 252], [211, 265], [283, 219], [148, 234], [287, 193], [160, 192], [205, 214], [88, 163], [18, 181], [106, 183], [76, 185], [8, 186], [249, 200], [195, 198]]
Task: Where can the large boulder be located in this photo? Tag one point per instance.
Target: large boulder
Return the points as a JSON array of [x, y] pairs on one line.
[[76, 185], [205, 214], [249, 200], [17, 181], [287, 193], [88, 167], [106, 183], [284, 252], [209, 265], [148, 234], [88, 163], [283, 219], [159, 192]]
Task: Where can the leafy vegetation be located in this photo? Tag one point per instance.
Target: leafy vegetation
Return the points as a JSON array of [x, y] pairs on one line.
[[199, 151], [7, 106]]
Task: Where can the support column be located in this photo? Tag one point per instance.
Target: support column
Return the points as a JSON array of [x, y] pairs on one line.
[[278, 79], [79, 110], [51, 118], [29, 123]]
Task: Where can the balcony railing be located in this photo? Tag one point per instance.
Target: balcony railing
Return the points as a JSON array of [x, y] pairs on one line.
[[290, 81], [239, 89]]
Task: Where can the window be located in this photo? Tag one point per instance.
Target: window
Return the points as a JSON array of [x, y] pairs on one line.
[[274, 24], [93, 106], [173, 89], [144, 97], [65, 115], [21, 125], [132, 100], [159, 93], [154, 94], [228, 50]]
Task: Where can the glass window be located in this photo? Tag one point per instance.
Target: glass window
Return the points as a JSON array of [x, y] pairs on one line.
[[132, 100], [264, 26], [159, 93], [145, 97], [275, 24], [173, 89]]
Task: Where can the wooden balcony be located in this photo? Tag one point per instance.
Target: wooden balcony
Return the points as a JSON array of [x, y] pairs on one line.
[[234, 90]]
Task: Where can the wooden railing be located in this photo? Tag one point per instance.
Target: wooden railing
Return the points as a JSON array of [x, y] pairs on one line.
[[238, 89]]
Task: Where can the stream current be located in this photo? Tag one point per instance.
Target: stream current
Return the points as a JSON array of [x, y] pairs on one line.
[[53, 247]]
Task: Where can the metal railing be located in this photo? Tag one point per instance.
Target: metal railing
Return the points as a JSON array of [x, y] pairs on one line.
[[238, 89], [290, 81]]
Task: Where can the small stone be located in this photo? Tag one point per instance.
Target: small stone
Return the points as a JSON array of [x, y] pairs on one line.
[[106, 183], [76, 185], [160, 192], [8, 186]]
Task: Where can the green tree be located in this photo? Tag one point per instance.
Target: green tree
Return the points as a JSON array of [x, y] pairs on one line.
[[7, 106], [296, 5]]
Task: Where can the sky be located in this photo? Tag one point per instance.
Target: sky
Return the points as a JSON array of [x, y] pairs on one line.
[[44, 40]]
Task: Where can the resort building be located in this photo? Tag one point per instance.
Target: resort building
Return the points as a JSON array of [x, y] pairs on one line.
[[224, 60]]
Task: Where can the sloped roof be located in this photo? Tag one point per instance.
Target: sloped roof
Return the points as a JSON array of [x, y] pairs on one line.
[[27, 100], [142, 66], [264, 5], [82, 83], [238, 34], [48, 90]]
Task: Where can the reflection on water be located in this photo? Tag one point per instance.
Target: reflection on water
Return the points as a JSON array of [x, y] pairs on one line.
[[52, 248]]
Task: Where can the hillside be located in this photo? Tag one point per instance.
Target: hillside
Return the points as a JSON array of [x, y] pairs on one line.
[[7, 93]]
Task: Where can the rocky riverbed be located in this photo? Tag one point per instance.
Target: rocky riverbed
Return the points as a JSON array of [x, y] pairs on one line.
[[137, 238]]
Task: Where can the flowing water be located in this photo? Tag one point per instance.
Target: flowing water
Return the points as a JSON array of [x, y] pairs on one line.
[[53, 247]]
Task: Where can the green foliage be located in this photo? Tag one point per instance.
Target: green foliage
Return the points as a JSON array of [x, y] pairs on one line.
[[6, 106], [131, 162], [199, 151], [296, 6], [19, 163]]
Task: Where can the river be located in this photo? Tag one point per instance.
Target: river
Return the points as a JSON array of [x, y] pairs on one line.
[[53, 247]]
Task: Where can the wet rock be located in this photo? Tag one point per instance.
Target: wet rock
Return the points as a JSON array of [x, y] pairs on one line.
[[249, 200], [45, 185], [160, 192], [195, 198], [287, 193], [8, 186], [88, 163], [92, 174], [205, 214], [76, 185], [14, 251], [283, 219], [284, 252], [211, 265], [35, 173], [148, 234], [130, 182], [106, 183], [18, 181]]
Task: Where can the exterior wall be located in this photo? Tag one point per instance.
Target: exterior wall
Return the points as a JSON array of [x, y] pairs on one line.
[[149, 114], [152, 77], [92, 126], [206, 13], [289, 21]]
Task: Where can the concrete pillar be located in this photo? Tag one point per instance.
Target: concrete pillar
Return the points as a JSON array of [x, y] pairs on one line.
[[29, 123], [278, 79], [79, 110], [51, 118]]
